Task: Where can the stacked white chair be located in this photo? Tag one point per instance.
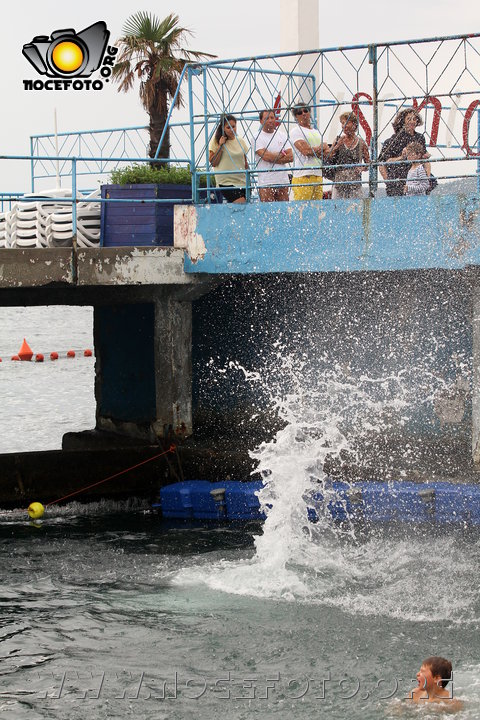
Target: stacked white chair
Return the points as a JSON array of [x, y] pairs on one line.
[[3, 229], [88, 222], [24, 225], [11, 226], [59, 226], [47, 222]]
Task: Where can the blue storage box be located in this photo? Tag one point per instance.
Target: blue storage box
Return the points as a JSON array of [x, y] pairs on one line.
[[379, 502], [457, 504], [204, 505], [193, 499], [241, 500], [176, 502], [338, 505], [408, 504]]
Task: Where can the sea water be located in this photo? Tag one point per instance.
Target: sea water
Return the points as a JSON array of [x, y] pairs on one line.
[[43, 401], [108, 612]]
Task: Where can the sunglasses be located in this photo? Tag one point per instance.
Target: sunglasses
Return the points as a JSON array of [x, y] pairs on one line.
[[305, 111]]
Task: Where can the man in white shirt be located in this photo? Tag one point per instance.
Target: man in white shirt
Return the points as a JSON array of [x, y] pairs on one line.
[[273, 152], [309, 149]]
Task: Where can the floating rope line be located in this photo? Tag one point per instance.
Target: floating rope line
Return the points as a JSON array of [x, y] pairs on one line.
[[171, 449]]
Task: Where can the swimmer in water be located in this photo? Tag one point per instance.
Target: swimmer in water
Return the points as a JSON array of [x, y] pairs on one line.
[[433, 678]]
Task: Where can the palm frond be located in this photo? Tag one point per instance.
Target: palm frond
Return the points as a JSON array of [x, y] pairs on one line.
[[148, 27], [152, 50]]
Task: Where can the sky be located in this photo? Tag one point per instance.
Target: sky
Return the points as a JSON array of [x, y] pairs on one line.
[[227, 30]]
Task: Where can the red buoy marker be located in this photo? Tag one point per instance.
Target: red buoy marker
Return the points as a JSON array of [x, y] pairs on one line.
[[70, 353], [53, 356], [25, 352], [39, 357], [15, 357], [87, 353]]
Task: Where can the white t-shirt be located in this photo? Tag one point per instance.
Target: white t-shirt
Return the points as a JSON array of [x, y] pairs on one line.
[[273, 142], [305, 164]]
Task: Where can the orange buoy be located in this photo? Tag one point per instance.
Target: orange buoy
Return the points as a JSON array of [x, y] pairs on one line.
[[39, 357], [87, 353], [71, 353], [53, 356], [25, 352], [15, 357]]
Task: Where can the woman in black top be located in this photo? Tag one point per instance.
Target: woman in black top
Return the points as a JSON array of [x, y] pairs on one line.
[[394, 151]]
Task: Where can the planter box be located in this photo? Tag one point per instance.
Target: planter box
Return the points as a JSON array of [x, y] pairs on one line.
[[140, 224]]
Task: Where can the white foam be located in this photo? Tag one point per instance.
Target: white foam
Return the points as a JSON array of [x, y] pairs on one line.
[[413, 578]]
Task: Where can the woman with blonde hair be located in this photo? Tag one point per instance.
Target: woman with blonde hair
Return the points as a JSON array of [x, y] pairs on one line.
[[348, 149]]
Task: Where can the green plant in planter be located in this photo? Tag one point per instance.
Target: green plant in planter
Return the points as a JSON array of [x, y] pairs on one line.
[[139, 174]]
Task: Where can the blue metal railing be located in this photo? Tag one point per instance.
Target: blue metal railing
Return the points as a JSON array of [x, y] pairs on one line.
[[368, 73], [440, 75]]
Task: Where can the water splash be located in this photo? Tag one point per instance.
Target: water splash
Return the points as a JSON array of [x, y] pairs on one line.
[[326, 417]]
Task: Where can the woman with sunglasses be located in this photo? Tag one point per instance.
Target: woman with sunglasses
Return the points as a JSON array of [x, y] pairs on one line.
[[228, 155], [309, 150]]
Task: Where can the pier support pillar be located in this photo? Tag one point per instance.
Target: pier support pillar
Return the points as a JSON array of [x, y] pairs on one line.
[[476, 372], [173, 364], [143, 384]]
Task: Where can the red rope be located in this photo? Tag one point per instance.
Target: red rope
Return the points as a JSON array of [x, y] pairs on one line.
[[122, 472]]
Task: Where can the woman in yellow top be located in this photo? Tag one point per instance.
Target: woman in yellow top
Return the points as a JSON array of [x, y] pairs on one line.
[[228, 155]]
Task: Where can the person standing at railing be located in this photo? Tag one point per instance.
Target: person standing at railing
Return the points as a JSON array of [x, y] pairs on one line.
[[309, 150], [228, 155], [348, 149], [273, 152], [393, 151]]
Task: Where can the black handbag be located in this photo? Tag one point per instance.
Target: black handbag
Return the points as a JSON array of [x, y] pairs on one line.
[[433, 184], [328, 171]]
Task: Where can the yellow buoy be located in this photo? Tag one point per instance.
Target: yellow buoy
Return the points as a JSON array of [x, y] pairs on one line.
[[36, 510]]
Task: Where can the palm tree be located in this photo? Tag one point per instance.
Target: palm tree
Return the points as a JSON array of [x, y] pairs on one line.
[[151, 50]]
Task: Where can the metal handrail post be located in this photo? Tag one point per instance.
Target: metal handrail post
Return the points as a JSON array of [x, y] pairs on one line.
[[314, 99], [74, 222], [32, 165], [207, 152], [373, 170], [478, 150], [172, 105], [193, 172], [74, 198]]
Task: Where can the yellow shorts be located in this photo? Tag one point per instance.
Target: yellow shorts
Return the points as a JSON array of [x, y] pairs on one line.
[[307, 192]]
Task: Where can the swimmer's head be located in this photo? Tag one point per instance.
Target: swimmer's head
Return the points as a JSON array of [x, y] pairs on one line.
[[440, 667]]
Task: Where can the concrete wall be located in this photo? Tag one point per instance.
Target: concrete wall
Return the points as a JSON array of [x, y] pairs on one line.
[[414, 327], [143, 381], [381, 234], [285, 290]]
